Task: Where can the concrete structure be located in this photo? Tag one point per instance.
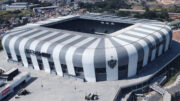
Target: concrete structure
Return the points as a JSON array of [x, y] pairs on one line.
[[169, 1], [8, 86], [63, 89], [1, 6], [89, 47], [18, 6], [88, 1], [44, 8]]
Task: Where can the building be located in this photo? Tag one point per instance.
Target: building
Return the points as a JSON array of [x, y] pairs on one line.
[[1, 6], [84, 1], [10, 80], [18, 6], [89, 47], [44, 8], [169, 1]]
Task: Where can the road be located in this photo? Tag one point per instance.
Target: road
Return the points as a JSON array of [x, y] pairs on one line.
[[142, 11]]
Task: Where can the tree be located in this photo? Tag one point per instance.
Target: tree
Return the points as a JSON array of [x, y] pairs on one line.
[[164, 14], [123, 13], [107, 5]]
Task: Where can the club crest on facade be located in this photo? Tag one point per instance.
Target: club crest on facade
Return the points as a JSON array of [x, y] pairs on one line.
[[112, 63]]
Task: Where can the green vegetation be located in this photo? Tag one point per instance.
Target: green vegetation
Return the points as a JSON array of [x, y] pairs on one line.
[[175, 9], [113, 6], [172, 79], [5, 16], [157, 15], [171, 8], [107, 5], [123, 13]]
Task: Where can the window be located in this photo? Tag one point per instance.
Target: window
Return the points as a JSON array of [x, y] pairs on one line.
[[100, 70], [79, 71], [40, 64], [122, 72], [64, 68], [37, 53], [45, 55], [27, 51], [100, 74], [39, 61], [9, 55], [139, 66], [29, 60], [19, 58], [51, 64], [121, 68]]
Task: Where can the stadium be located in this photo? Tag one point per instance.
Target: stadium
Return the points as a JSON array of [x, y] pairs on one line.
[[90, 47]]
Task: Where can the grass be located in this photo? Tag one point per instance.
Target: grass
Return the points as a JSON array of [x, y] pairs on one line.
[[139, 99], [172, 79], [6, 15]]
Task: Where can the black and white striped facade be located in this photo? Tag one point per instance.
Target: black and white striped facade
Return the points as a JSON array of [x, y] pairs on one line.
[[114, 56]]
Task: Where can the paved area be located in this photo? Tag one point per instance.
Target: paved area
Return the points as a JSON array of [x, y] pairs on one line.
[[48, 87]]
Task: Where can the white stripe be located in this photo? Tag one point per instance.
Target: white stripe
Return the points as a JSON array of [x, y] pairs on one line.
[[22, 47], [153, 54], [137, 33], [143, 44], [133, 57], [44, 49], [153, 27], [123, 43], [146, 51], [12, 43], [145, 30], [70, 53], [88, 62], [33, 46], [157, 24], [151, 39], [111, 53], [155, 33], [160, 37], [160, 50], [126, 37], [5, 37], [56, 54], [154, 50], [167, 39]]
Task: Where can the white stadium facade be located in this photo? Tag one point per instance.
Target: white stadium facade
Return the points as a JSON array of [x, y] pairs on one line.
[[90, 47]]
